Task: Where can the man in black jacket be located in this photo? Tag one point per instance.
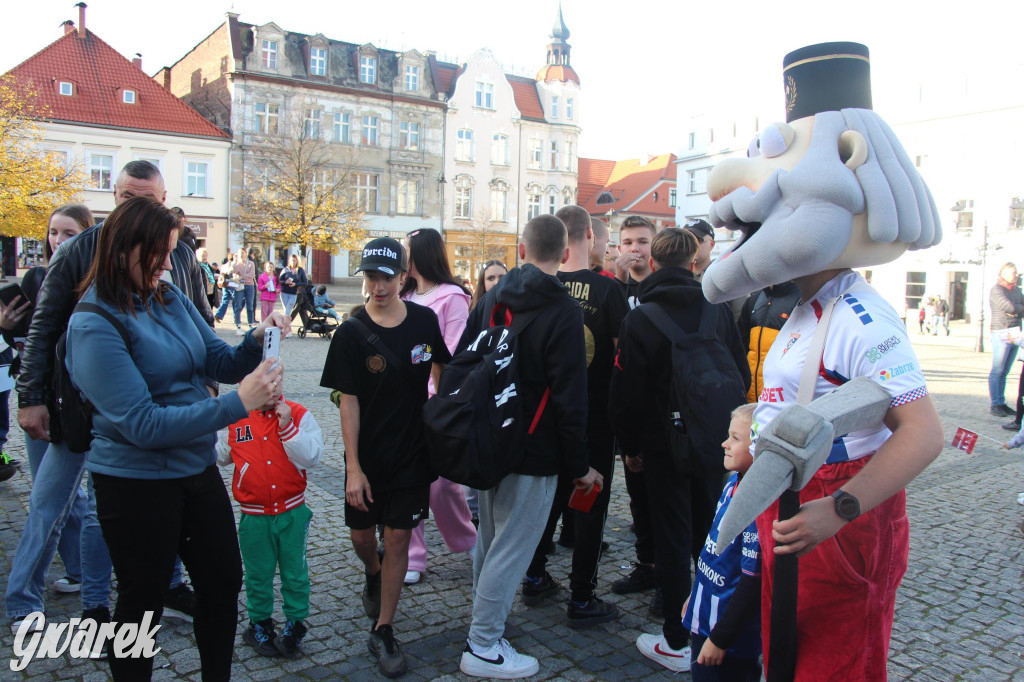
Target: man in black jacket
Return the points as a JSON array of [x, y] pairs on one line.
[[682, 506], [513, 514]]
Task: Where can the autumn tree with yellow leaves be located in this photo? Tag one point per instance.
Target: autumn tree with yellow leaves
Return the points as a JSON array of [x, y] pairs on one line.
[[297, 191], [32, 181]]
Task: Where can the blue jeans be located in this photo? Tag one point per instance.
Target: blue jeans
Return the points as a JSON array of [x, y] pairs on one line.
[[225, 301], [250, 303], [731, 669], [1003, 355], [69, 547], [288, 301], [54, 492]]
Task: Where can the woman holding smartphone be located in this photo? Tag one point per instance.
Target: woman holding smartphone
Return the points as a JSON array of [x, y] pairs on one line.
[[152, 460]]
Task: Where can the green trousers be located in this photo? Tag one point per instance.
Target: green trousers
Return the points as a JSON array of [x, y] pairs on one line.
[[268, 542]]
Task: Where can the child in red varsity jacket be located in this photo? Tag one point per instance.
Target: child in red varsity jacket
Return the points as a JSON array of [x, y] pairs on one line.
[[271, 451]]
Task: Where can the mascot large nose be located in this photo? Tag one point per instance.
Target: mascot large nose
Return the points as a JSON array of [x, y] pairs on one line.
[[730, 174]]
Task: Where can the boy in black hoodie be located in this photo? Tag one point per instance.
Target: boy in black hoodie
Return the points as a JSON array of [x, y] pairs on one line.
[[513, 513], [682, 507]]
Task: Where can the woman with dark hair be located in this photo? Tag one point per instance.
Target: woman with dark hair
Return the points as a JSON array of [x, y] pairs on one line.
[[430, 283], [490, 273], [58, 515], [153, 463]]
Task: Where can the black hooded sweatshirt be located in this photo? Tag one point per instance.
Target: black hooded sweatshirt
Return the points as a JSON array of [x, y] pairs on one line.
[[552, 353], [638, 406]]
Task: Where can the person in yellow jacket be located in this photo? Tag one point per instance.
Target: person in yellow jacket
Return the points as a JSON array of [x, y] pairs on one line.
[[762, 317]]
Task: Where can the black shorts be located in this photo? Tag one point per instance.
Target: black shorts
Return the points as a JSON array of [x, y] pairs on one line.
[[402, 509]]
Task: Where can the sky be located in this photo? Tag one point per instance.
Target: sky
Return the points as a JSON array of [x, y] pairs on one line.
[[647, 67]]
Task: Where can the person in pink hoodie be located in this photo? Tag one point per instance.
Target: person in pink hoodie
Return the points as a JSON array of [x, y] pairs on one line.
[[430, 283], [269, 289]]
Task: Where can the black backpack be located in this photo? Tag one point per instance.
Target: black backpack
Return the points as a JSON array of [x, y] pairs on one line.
[[475, 427], [73, 412], [705, 386]]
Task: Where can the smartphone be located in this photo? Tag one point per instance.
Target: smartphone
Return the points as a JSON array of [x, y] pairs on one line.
[[11, 291], [272, 344], [580, 501]]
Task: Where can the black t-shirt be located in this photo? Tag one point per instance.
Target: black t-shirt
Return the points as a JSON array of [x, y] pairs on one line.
[[631, 290], [392, 453], [603, 307]]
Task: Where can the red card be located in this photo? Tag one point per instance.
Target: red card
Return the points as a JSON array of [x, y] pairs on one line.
[[580, 501], [964, 440]]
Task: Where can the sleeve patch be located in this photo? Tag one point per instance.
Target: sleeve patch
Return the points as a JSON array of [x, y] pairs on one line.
[[909, 396]]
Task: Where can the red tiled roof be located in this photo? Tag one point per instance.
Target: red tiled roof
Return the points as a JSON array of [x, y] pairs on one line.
[[524, 90], [558, 72], [631, 183], [446, 75], [99, 74]]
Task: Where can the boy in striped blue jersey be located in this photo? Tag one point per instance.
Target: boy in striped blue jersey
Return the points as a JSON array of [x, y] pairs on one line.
[[723, 611]]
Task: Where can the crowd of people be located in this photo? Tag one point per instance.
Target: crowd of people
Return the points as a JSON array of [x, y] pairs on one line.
[[597, 371]]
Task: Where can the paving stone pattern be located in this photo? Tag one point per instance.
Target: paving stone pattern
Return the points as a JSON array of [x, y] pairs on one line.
[[959, 614]]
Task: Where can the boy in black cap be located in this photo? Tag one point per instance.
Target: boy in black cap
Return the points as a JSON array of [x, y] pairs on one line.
[[705, 234], [379, 360]]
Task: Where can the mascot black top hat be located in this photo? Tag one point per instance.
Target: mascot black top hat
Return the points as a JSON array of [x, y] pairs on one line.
[[826, 77]]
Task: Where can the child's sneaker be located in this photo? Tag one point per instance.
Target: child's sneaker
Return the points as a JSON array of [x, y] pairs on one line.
[[657, 649], [371, 595], [290, 638], [500, 662], [260, 636], [67, 585], [536, 589], [383, 645]]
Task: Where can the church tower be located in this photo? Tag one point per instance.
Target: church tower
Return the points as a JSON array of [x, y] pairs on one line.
[[558, 66]]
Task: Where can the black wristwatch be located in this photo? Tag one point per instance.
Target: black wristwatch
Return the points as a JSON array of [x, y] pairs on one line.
[[847, 506]]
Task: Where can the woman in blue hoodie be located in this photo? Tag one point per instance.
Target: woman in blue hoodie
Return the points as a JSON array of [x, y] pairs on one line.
[[158, 491]]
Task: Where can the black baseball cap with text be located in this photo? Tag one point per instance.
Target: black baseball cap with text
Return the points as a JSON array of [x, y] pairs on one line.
[[700, 228], [383, 254]]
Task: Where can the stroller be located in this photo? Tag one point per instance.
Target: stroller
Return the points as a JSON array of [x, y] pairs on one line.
[[312, 321]]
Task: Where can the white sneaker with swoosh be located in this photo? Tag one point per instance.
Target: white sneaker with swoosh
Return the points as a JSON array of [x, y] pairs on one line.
[[501, 662], [657, 649]]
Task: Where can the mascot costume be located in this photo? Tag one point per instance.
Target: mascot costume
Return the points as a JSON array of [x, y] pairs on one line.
[[845, 420]]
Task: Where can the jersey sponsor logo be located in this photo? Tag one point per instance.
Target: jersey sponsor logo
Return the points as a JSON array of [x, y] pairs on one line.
[[749, 553], [771, 395], [376, 364], [421, 353], [875, 353], [749, 537], [710, 574], [793, 338], [893, 372], [243, 434]]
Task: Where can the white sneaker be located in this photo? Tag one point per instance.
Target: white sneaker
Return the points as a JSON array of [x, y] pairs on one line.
[[500, 662], [411, 577], [239, 331], [67, 585], [657, 649]]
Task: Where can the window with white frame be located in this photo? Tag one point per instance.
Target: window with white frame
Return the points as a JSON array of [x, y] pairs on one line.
[[311, 125], [672, 198], [691, 141], [499, 202], [155, 160], [412, 78], [266, 118], [408, 197], [101, 169], [554, 107], [696, 181], [317, 61], [409, 135], [463, 198], [269, 54], [484, 95], [368, 70], [128, 97], [66, 88], [568, 156], [533, 205], [536, 155], [464, 145], [370, 131], [552, 202], [554, 156], [197, 178], [342, 129], [499, 150], [568, 109], [366, 191]]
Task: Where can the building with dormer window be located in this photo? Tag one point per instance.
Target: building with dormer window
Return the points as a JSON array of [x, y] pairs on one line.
[[381, 112]]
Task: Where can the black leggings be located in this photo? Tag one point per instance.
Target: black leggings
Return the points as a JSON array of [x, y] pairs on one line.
[[145, 524]]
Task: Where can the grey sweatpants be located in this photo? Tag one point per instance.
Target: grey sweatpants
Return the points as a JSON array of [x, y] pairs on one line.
[[512, 519]]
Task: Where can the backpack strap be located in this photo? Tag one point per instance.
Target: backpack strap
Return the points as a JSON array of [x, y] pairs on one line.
[[87, 307], [816, 351], [374, 340], [657, 314]]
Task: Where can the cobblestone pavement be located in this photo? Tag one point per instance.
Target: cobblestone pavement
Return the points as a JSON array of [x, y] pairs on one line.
[[956, 615]]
